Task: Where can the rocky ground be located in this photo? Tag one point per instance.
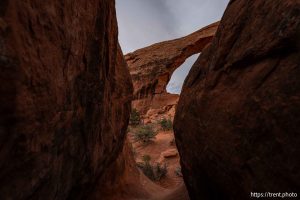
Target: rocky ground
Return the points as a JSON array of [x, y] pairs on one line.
[[162, 150]]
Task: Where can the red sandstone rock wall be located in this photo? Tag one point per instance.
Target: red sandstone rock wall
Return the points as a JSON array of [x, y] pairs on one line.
[[65, 97], [123, 179], [152, 67], [238, 118]]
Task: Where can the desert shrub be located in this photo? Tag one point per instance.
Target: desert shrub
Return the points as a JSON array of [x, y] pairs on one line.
[[166, 124], [135, 117], [146, 167], [144, 134], [178, 171], [153, 172], [160, 171]]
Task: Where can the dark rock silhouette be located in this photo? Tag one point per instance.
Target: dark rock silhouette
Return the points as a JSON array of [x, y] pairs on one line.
[[65, 97], [238, 118]]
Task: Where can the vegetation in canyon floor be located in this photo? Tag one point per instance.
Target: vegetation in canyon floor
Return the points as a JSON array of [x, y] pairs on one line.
[[155, 172], [144, 134], [166, 124], [135, 117], [178, 171]]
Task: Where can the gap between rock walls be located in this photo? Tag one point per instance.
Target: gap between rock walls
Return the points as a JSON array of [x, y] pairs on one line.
[[81, 120]]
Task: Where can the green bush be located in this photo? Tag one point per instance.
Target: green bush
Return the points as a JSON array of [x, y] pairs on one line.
[[144, 134], [166, 124], [135, 117], [160, 171], [155, 173]]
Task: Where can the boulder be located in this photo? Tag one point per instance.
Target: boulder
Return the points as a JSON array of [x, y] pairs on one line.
[[65, 97], [238, 118]]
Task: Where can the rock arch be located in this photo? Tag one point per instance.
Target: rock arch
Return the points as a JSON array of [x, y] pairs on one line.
[[152, 67]]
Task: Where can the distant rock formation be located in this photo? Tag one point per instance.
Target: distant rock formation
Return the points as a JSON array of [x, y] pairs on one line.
[[65, 98], [238, 118], [152, 67]]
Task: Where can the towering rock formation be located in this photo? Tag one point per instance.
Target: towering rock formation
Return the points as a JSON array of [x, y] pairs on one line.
[[238, 118], [152, 67], [65, 97]]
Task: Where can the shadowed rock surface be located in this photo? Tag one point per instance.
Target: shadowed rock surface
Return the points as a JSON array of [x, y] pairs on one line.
[[238, 118], [65, 97], [152, 67]]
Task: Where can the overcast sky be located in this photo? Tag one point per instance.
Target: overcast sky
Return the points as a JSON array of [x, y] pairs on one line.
[[145, 22]]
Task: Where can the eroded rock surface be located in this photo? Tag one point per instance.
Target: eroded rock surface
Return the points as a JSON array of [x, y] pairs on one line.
[[152, 67], [238, 118], [65, 97]]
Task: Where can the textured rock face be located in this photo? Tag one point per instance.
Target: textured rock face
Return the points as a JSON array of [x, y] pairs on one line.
[[65, 97], [152, 67], [238, 119], [124, 181]]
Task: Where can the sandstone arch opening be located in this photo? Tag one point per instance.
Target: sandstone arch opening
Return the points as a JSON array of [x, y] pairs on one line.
[[176, 81], [151, 67]]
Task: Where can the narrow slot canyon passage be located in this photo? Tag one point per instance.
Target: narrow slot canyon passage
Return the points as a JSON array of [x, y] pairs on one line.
[[149, 100], [152, 139], [150, 131], [158, 72], [156, 154]]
